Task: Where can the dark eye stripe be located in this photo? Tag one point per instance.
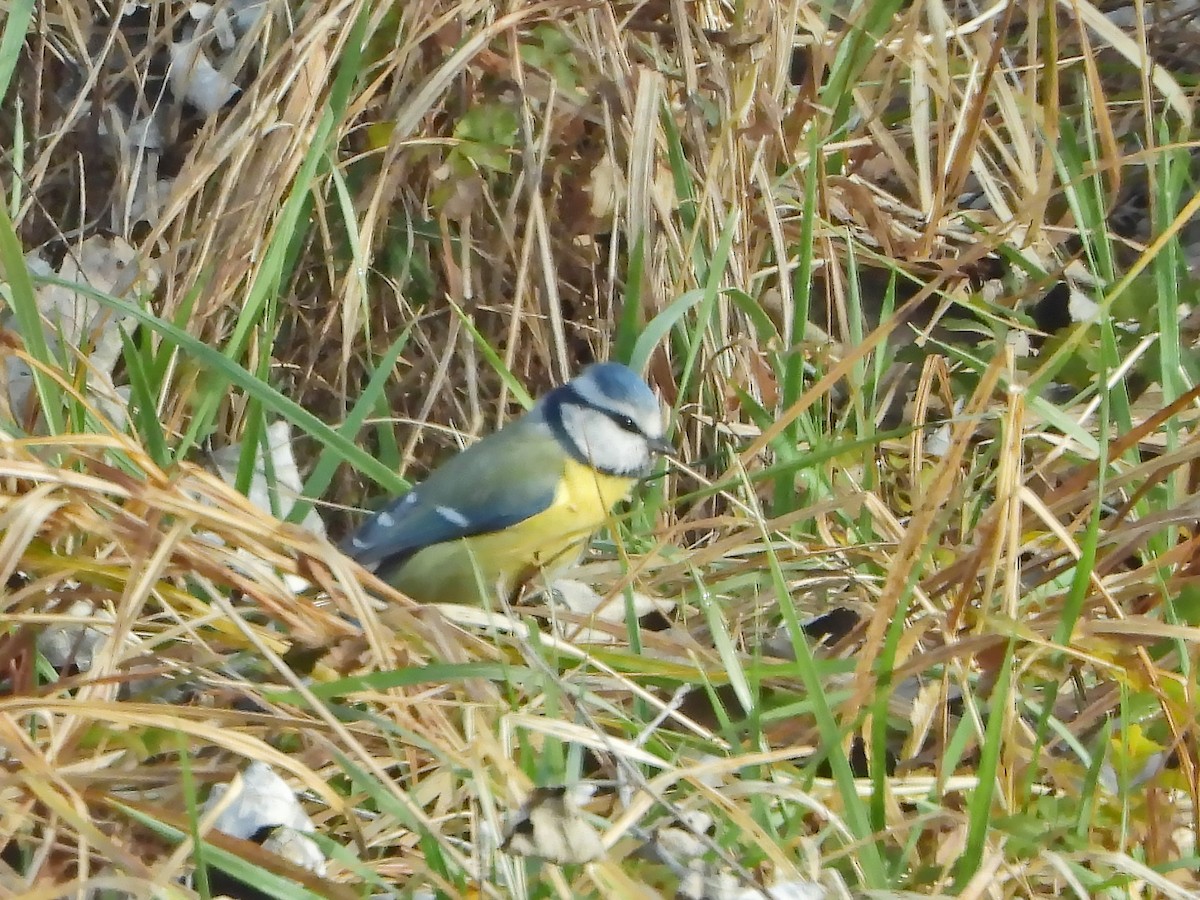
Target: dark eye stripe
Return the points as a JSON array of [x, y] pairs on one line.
[[624, 422]]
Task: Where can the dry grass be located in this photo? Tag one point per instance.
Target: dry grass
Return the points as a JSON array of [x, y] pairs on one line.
[[828, 237]]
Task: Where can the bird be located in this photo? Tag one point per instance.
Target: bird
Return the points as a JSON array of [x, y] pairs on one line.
[[524, 499]]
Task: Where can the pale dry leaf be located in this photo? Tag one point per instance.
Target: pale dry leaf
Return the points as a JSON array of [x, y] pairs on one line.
[[1082, 308], [246, 14], [138, 193], [261, 799], [194, 78], [937, 444], [583, 600], [80, 322], [146, 133], [1184, 838], [146, 200], [75, 643], [108, 266], [296, 847], [288, 483], [723, 885], [551, 826], [218, 19], [678, 842], [1021, 346], [605, 188]]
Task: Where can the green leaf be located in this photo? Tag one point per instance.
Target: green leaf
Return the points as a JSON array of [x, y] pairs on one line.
[[17, 18]]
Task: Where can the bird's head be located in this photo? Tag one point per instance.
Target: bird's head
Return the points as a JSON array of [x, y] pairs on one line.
[[608, 418]]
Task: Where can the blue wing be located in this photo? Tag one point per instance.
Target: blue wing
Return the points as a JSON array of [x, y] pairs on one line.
[[494, 484]]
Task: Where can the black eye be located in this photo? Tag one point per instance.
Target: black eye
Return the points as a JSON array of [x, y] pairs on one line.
[[627, 423]]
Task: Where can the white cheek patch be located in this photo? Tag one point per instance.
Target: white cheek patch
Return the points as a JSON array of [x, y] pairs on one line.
[[604, 443]]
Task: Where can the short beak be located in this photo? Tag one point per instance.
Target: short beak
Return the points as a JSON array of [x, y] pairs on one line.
[[661, 447]]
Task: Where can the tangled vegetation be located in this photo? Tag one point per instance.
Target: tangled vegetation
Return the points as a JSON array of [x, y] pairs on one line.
[[915, 610]]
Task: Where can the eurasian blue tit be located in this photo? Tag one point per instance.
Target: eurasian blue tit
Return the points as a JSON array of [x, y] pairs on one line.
[[522, 500]]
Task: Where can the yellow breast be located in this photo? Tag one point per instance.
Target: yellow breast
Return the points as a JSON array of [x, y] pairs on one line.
[[455, 572]]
